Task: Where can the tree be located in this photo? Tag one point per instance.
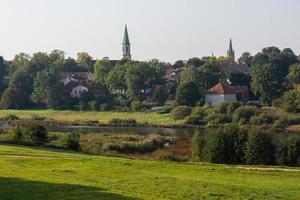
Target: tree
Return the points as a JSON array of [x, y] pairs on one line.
[[101, 70], [194, 62], [246, 58], [116, 79], [210, 74], [291, 101], [178, 64], [85, 60], [191, 74], [20, 61], [239, 78], [14, 98], [294, 74], [187, 94], [70, 65], [46, 89], [259, 149], [138, 77], [267, 82]]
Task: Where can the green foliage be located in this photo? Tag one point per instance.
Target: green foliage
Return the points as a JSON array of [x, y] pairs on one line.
[[198, 143], [267, 82], [171, 156], [17, 136], [232, 106], [244, 113], [259, 148], [14, 98], [293, 151], [291, 101], [218, 119], [294, 74], [180, 112], [136, 106], [9, 117], [263, 119], [72, 141], [187, 94], [101, 70], [38, 134], [123, 122], [240, 79]]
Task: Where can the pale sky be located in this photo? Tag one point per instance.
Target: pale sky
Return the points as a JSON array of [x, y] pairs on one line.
[[165, 29]]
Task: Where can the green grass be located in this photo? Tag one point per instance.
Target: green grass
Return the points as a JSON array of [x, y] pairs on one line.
[[34, 173], [102, 117]]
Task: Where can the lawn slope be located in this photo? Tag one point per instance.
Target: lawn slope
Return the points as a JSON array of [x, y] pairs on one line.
[[32, 173]]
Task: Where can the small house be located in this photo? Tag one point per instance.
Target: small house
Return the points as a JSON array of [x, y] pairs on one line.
[[222, 93]]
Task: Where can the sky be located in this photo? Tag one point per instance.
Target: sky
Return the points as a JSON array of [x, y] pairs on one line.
[[168, 30]]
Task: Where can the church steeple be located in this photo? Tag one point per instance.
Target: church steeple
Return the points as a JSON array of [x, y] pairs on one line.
[[126, 45], [230, 52]]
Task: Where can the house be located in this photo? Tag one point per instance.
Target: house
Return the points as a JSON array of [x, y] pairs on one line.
[[79, 77], [222, 93], [76, 89]]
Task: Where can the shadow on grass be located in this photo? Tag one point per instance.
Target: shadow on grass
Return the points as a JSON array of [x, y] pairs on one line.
[[20, 189]]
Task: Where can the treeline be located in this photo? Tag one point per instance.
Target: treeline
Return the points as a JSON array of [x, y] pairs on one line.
[[35, 80], [234, 145]]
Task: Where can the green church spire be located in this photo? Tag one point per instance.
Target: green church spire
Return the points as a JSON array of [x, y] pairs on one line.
[[126, 37]]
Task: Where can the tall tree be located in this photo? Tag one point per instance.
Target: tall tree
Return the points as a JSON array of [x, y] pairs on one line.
[[187, 94], [246, 58], [101, 70], [267, 82], [294, 74], [85, 60]]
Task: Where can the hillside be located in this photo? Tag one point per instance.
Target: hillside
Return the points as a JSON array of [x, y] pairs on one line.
[[34, 173]]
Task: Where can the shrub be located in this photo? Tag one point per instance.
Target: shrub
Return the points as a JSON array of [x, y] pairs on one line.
[[282, 122], [243, 114], [123, 122], [38, 134], [223, 107], [9, 118], [198, 142], [37, 117], [233, 106], [263, 119], [291, 101], [136, 106], [180, 112], [259, 148], [199, 112], [93, 105], [293, 151], [72, 141], [105, 107], [218, 119], [171, 156], [17, 136], [194, 120]]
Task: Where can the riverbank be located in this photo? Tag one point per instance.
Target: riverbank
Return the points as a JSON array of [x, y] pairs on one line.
[[45, 171], [70, 118]]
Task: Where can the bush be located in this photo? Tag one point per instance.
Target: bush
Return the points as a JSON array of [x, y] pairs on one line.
[[9, 118], [223, 107], [243, 114], [136, 106], [37, 117], [291, 101], [17, 136], [93, 105], [282, 123], [180, 112], [199, 112], [38, 134], [293, 151], [198, 143], [72, 141], [123, 122], [105, 107], [259, 149], [263, 119], [233, 106], [171, 156], [194, 120], [218, 119]]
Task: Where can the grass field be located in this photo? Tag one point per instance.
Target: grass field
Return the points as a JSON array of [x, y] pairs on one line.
[[102, 117], [33, 173]]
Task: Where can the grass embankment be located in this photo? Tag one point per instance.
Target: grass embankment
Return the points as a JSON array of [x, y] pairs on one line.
[[33, 173], [151, 118]]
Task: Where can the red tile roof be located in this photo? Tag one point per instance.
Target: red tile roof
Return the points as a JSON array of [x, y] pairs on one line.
[[222, 88]]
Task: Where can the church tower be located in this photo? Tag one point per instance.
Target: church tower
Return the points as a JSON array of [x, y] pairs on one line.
[[126, 45], [230, 52]]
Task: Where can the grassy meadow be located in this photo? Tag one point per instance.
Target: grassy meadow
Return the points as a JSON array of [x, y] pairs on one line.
[[35, 173], [102, 117]]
